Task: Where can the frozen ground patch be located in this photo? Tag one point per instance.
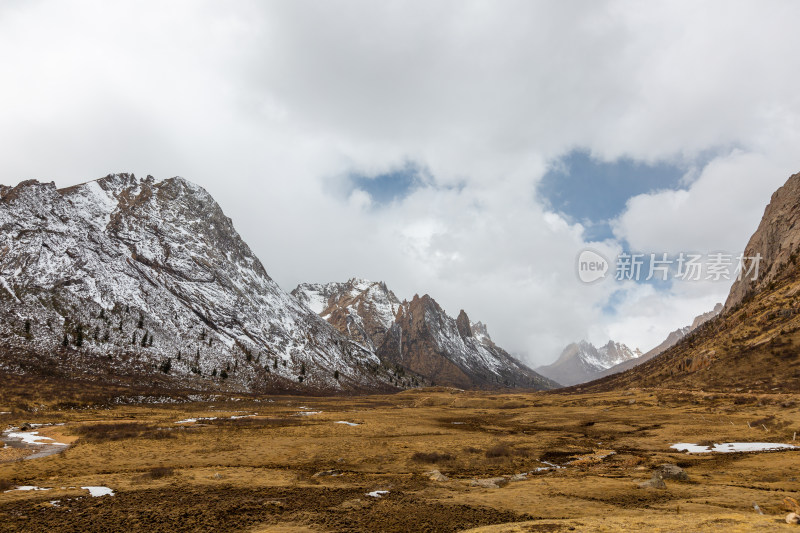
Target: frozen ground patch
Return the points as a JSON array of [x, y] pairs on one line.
[[731, 447], [33, 437], [96, 492], [27, 487], [193, 420]]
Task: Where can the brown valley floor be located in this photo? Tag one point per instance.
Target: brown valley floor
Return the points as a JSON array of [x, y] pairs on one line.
[[295, 466]]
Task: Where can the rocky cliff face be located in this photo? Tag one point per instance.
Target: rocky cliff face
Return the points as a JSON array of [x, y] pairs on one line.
[[777, 240], [123, 275], [361, 309], [582, 361], [418, 336]]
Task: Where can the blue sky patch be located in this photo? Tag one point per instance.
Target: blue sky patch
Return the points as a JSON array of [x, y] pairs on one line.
[[594, 192], [391, 186]]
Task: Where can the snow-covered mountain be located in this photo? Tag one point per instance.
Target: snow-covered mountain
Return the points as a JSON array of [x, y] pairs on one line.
[[361, 309], [671, 340], [582, 361], [418, 336], [127, 276]]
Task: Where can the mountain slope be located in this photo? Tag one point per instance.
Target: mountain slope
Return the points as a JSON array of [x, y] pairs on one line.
[[753, 344], [418, 336], [582, 361], [121, 276], [669, 342]]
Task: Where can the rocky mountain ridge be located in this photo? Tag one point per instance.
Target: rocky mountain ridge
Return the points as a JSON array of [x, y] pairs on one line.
[[127, 276], [775, 241], [419, 336], [582, 361]]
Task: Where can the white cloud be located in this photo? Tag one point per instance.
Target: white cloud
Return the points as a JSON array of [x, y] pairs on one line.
[[269, 105]]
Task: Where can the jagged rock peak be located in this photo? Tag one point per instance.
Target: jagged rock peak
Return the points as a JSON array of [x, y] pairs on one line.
[[418, 335], [463, 324]]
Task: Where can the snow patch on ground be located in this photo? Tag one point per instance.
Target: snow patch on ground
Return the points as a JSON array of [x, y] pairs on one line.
[[96, 492], [193, 420], [28, 487], [346, 423], [731, 447], [33, 437], [377, 493]]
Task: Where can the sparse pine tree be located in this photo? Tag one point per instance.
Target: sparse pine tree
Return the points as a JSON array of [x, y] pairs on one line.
[[106, 336], [79, 336], [300, 379], [179, 355], [224, 374], [275, 365], [102, 315], [166, 366], [65, 342], [302, 369], [336, 375], [133, 342], [214, 373], [150, 340]]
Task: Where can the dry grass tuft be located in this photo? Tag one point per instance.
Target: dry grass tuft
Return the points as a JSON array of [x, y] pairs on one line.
[[120, 431], [431, 457], [159, 472]]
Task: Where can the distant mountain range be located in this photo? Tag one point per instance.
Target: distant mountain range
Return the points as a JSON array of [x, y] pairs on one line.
[[418, 336], [147, 281], [582, 362]]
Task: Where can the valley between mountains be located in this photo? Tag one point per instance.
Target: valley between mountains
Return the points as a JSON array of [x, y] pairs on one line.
[[155, 378]]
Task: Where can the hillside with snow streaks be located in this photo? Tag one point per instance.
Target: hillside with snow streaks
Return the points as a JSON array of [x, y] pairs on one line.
[[582, 361], [122, 275], [418, 336]]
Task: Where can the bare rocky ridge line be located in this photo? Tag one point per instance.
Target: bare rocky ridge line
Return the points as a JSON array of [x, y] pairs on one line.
[[418, 336], [776, 240]]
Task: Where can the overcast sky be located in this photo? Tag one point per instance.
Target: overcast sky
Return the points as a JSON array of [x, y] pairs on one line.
[[469, 150]]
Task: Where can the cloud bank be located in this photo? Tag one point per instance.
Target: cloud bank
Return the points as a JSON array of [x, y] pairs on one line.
[[274, 107]]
